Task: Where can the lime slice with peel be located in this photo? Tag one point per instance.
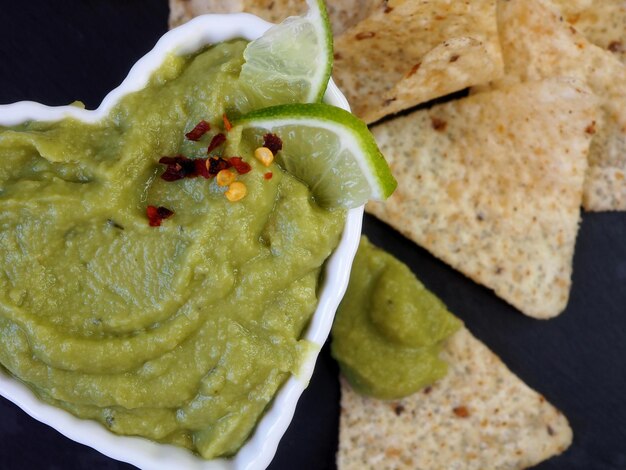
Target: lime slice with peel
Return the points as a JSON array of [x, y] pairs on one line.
[[290, 63], [327, 148]]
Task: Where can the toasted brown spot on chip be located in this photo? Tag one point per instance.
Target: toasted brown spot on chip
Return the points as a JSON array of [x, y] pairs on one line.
[[365, 35], [414, 69], [461, 411], [438, 124]]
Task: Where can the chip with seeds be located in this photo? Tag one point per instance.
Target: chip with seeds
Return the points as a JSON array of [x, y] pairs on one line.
[[412, 52], [538, 43], [603, 22], [480, 415], [492, 185], [342, 13]]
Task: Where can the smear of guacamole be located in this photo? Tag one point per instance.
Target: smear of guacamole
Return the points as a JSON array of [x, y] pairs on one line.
[[389, 328], [180, 333]]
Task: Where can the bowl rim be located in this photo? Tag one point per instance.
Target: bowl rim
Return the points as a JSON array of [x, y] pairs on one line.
[[259, 450]]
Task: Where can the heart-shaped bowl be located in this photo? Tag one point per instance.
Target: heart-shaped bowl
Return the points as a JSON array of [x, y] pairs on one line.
[[260, 448]]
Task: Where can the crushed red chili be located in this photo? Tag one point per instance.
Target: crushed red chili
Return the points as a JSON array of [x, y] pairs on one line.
[[227, 125], [201, 168], [272, 142], [239, 165], [216, 141], [201, 128], [158, 214], [268, 175], [216, 164], [178, 167]]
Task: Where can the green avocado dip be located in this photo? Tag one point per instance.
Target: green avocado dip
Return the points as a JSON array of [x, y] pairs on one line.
[[180, 333], [389, 328]]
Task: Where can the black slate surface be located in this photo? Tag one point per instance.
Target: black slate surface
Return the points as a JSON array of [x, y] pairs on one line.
[[57, 52]]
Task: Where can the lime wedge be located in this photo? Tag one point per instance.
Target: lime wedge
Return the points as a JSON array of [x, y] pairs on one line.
[[327, 148], [290, 63]]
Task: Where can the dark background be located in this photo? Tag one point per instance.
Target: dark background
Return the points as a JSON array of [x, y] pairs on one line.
[[57, 52]]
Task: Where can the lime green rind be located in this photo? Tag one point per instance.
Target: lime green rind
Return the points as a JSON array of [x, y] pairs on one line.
[[373, 165], [318, 8]]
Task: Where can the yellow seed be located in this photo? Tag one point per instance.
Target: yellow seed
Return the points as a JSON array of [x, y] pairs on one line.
[[236, 191], [264, 155], [225, 177]]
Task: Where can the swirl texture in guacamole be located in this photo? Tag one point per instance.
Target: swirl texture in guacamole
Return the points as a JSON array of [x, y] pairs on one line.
[[180, 333], [389, 328]]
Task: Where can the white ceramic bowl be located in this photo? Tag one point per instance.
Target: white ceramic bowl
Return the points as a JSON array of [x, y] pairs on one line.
[[258, 452]]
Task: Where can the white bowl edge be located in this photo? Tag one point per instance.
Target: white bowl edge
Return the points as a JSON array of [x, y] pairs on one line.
[[260, 449]]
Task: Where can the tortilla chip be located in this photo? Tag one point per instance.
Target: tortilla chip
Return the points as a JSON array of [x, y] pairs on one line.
[[479, 416], [537, 43], [416, 51], [274, 11], [342, 13], [492, 185], [602, 22]]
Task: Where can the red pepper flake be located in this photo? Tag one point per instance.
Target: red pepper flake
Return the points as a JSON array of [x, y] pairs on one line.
[[158, 214], [201, 128], [201, 168], [461, 411], [216, 141], [214, 165], [178, 167], [591, 128], [227, 125], [239, 165], [272, 142], [268, 175]]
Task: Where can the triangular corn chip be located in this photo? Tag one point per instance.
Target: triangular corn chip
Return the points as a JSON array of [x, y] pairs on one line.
[[342, 13], [479, 416], [538, 43], [415, 51], [603, 22], [492, 185]]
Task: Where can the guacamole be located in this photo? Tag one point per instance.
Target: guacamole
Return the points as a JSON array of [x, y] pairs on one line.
[[182, 332], [389, 329]]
